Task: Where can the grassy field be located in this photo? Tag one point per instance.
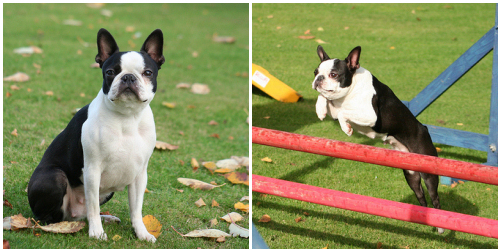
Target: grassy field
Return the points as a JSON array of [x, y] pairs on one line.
[[191, 57], [405, 46]]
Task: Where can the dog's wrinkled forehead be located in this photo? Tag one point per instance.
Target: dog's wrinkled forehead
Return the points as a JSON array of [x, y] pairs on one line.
[[132, 61], [333, 66]]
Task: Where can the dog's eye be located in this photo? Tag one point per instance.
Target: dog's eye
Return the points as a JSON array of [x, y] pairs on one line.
[[148, 73], [333, 75], [110, 72]]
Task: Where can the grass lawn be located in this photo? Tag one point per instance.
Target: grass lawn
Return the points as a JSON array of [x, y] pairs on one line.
[[405, 46], [191, 57]]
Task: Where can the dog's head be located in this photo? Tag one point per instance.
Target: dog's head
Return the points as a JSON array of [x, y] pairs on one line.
[[333, 77], [129, 77]]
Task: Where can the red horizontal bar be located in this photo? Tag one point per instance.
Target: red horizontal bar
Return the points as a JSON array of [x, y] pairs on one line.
[[375, 206], [380, 156]]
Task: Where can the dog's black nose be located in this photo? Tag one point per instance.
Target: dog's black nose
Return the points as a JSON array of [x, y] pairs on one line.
[[318, 81], [128, 78]]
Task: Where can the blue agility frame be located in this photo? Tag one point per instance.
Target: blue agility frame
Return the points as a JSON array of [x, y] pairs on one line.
[[459, 138]]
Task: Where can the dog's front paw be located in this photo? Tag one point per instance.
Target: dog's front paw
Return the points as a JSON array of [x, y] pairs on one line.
[[100, 235], [146, 236], [321, 108]]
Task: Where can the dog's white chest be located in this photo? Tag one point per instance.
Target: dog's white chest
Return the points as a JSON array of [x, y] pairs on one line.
[[116, 146]]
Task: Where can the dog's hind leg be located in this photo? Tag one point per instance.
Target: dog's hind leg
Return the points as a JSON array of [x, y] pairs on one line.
[[432, 183], [413, 180], [46, 192]]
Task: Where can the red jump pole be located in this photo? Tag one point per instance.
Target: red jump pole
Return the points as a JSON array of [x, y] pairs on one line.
[[380, 156], [375, 206]]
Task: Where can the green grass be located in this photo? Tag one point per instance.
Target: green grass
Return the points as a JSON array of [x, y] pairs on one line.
[[404, 50], [65, 70]]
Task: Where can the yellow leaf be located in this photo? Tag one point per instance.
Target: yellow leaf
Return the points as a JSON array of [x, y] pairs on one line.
[[116, 237], [223, 170], [320, 41], [152, 225], [266, 159], [241, 206], [237, 178], [14, 132], [163, 145], [194, 163], [210, 166], [168, 104], [265, 218]]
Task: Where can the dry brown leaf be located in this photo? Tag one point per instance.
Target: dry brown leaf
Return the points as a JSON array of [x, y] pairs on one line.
[[8, 94], [212, 122], [236, 230], [169, 104], [223, 170], [180, 190], [14, 87], [215, 135], [14, 132], [49, 93], [232, 217], [199, 88], [152, 225], [241, 206], [215, 203], [307, 32], [200, 203], [183, 86], [228, 163], [65, 227], [265, 218], [194, 164], [237, 178], [209, 233], [6, 244], [196, 184], [299, 219], [266, 159], [213, 222], [17, 77], [223, 39], [306, 37], [7, 204], [221, 239], [379, 245], [210, 166], [163, 146]]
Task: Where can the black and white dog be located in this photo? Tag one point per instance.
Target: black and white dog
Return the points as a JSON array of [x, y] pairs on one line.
[[106, 145], [361, 102]]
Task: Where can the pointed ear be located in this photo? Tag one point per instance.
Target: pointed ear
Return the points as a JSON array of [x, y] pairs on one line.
[[353, 58], [322, 54], [106, 46], [153, 46]]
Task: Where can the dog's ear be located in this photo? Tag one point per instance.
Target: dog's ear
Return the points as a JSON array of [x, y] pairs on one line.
[[322, 54], [353, 59], [106, 46], [153, 46]]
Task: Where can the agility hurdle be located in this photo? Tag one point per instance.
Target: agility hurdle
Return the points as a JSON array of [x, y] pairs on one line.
[[380, 156], [375, 206]]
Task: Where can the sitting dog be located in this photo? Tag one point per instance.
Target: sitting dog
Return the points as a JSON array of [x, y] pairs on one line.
[[106, 145], [361, 102]]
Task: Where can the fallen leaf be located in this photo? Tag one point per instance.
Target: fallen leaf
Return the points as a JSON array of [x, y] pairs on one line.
[[168, 104], [129, 29], [439, 150], [460, 124], [17, 77], [213, 183], [266, 159], [196, 184], [215, 135], [241, 206], [17, 222], [270, 16], [392, 47], [213, 222], [243, 160], [163, 146], [181, 162], [7, 203], [228, 163], [223, 170], [152, 225], [28, 50], [265, 218], [320, 41], [8, 94], [325, 247], [307, 32], [306, 37], [379, 245], [215, 203], [199, 88], [223, 39], [320, 29], [461, 182], [212, 122], [194, 164], [180, 190], [95, 5], [221, 239], [237, 178], [245, 198], [116, 237], [14, 132], [183, 86], [72, 22], [266, 117], [107, 13], [49, 93], [346, 28], [209, 233], [6, 244], [232, 217], [191, 106], [306, 213], [200, 203], [210, 166], [65, 227], [236, 230], [299, 219]]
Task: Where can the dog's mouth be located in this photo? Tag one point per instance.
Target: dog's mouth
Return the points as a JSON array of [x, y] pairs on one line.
[[128, 91]]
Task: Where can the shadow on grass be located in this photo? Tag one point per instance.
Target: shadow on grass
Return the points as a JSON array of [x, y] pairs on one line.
[[296, 174], [448, 236]]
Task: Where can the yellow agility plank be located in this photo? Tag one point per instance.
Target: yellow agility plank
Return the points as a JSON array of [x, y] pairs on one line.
[[272, 85]]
